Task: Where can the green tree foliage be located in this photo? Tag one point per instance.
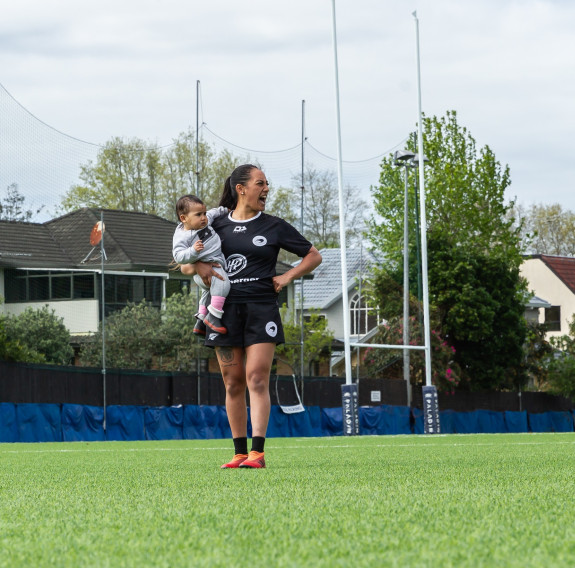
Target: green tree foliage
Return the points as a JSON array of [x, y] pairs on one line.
[[134, 175], [547, 229], [12, 350], [388, 363], [317, 341], [39, 336], [12, 206], [143, 337], [561, 364], [474, 252]]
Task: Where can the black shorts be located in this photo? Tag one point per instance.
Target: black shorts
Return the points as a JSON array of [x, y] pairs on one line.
[[248, 324]]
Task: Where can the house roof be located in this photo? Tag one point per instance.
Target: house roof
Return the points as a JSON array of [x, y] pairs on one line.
[[562, 266], [325, 287], [30, 245], [132, 241]]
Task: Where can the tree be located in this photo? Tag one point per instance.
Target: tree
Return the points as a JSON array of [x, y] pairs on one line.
[[474, 252], [547, 229], [194, 170], [561, 364], [143, 337], [317, 340], [12, 350], [40, 331], [320, 208], [12, 206], [134, 175]]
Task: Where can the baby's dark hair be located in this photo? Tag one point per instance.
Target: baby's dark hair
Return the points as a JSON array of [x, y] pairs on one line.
[[184, 204], [241, 175]]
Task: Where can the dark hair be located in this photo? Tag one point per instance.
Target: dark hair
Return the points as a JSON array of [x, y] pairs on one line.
[[241, 175], [183, 205]]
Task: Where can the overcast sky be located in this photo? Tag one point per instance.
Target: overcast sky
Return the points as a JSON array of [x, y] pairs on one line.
[[98, 69]]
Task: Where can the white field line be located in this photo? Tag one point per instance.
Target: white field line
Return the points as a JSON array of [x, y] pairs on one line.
[[271, 446]]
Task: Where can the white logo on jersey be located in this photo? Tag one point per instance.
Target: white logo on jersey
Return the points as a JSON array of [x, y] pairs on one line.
[[271, 328], [239, 229], [259, 241], [212, 336], [236, 263]]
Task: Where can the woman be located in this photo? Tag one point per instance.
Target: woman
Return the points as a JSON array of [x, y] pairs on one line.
[[251, 241]]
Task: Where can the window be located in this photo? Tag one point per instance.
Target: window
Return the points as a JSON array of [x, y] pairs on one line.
[[553, 318], [46, 285], [177, 286], [363, 318], [123, 289]]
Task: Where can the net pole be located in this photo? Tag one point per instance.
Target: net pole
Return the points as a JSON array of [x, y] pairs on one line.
[[102, 253]]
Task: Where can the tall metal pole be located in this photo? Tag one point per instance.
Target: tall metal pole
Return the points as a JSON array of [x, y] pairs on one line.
[[302, 319], [423, 222], [431, 420], [349, 391], [102, 285], [344, 294], [406, 288]]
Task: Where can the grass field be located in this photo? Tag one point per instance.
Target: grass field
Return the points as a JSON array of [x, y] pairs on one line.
[[473, 500]]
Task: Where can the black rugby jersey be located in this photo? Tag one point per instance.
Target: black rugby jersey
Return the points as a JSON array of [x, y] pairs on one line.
[[251, 249]]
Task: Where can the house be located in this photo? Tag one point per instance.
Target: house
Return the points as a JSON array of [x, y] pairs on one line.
[[552, 278], [62, 264], [324, 294]]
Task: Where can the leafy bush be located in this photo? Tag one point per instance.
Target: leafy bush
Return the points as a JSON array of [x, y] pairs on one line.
[[388, 363], [38, 335]]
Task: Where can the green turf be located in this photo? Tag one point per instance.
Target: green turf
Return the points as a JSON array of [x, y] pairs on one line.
[[474, 500]]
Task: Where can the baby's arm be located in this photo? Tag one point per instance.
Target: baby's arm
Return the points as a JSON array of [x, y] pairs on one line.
[[182, 251], [216, 212]]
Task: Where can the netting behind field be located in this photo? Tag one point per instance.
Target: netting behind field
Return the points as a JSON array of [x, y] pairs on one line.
[[44, 162]]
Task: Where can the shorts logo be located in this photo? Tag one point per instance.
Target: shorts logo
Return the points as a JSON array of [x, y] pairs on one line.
[[259, 241], [212, 336], [236, 263], [272, 328], [240, 229]]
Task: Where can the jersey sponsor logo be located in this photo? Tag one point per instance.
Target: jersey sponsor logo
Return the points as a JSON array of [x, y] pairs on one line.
[[240, 229], [236, 263], [259, 241], [272, 328]]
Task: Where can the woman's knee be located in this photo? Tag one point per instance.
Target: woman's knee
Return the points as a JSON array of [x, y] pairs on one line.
[[235, 386], [258, 382]]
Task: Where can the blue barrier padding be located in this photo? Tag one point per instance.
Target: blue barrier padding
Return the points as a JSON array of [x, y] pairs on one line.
[[82, 423], [332, 421], [278, 426], [70, 422], [125, 423], [540, 422], [490, 422], [466, 422], [164, 422], [417, 415], [205, 422], [8, 423], [384, 420], [516, 422], [39, 423], [446, 421], [562, 421]]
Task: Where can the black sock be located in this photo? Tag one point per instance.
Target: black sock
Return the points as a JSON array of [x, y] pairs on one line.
[[241, 445], [258, 443]]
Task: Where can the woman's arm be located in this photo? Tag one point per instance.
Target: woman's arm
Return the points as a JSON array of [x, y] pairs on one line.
[[310, 261], [203, 269]]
